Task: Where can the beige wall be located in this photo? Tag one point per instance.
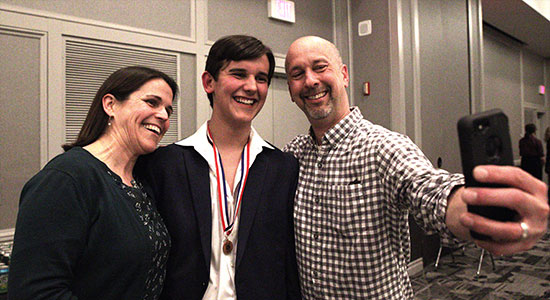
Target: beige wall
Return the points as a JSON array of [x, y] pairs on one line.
[[19, 121], [169, 16]]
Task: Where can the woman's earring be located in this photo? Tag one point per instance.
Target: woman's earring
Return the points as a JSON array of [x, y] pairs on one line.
[[109, 122]]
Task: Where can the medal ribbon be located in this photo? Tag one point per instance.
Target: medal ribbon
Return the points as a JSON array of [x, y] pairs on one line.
[[227, 219]]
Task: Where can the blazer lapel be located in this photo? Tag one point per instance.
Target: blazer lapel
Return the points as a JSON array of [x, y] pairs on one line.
[[251, 199], [199, 182]]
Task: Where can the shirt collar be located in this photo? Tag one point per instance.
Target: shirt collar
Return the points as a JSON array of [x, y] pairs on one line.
[[336, 133], [199, 141]]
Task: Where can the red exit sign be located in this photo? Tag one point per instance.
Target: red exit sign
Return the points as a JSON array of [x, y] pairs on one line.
[[281, 10]]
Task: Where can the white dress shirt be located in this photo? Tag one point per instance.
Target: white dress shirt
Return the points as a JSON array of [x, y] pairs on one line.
[[222, 267]]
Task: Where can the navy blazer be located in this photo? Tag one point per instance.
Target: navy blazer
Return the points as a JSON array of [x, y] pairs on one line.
[[266, 259]]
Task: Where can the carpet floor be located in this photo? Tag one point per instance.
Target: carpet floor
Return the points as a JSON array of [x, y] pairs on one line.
[[524, 276]]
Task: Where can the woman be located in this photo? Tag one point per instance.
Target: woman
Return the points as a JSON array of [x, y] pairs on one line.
[[531, 152], [86, 228]]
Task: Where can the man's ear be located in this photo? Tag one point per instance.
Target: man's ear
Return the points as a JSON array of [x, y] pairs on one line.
[[208, 82], [345, 75], [109, 102]]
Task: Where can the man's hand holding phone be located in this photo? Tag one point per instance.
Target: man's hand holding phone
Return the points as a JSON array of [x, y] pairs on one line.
[[507, 208], [525, 195]]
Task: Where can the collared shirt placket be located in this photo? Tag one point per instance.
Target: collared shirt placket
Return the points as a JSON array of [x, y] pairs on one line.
[[320, 191]]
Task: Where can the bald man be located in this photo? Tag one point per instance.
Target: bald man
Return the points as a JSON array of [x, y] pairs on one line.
[[359, 181]]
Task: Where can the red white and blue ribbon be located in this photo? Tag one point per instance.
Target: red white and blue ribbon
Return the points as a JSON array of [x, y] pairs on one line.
[[228, 214]]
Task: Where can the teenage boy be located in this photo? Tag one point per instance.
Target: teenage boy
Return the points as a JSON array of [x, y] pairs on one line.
[[225, 194]]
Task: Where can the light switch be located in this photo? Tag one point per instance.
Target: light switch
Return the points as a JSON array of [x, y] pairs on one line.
[[364, 28], [366, 88]]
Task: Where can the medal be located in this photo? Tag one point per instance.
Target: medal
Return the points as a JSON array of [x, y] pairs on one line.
[[229, 214], [227, 247]]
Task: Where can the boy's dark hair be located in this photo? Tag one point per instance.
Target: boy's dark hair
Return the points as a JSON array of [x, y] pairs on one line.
[[236, 48]]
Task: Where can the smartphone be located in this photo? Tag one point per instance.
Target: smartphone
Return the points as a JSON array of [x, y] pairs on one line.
[[484, 139]]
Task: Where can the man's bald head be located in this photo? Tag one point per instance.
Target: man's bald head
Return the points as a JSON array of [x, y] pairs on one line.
[[313, 41]]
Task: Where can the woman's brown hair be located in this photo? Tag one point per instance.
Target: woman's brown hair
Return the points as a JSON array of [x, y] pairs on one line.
[[120, 84]]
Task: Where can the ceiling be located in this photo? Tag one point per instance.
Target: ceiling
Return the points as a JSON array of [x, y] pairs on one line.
[[520, 21]]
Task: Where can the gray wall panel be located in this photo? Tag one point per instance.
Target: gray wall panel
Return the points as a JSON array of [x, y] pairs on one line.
[[170, 16], [444, 86], [502, 79], [188, 95], [533, 76], [408, 57], [19, 120], [371, 60], [226, 17]]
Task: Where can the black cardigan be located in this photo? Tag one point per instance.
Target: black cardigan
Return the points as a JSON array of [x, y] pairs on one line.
[[78, 235]]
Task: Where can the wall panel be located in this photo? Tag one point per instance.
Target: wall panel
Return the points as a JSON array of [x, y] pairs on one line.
[[533, 76], [188, 95], [444, 78], [19, 120], [167, 16], [502, 82], [227, 17], [371, 60]]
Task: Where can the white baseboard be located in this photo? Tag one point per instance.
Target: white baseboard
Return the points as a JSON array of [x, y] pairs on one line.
[[415, 266]]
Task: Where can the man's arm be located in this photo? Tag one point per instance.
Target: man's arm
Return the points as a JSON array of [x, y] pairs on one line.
[[526, 195]]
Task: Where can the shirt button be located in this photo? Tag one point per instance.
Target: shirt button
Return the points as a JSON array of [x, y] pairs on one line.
[[316, 236], [319, 165], [317, 200]]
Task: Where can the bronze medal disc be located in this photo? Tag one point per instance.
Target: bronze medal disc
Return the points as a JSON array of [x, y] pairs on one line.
[[227, 247]]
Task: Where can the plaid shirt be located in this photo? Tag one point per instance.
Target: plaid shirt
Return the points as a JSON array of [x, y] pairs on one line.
[[351, 209]]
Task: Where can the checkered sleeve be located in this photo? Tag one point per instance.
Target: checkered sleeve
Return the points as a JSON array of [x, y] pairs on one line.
[[411, 182]]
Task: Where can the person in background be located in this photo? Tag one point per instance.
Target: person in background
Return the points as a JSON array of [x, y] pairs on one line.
[[87, 228], [226, 194], [547, 160], [531, 152], [358, 182]]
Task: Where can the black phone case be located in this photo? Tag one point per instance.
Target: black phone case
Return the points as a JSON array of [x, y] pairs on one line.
[[485, 140]]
